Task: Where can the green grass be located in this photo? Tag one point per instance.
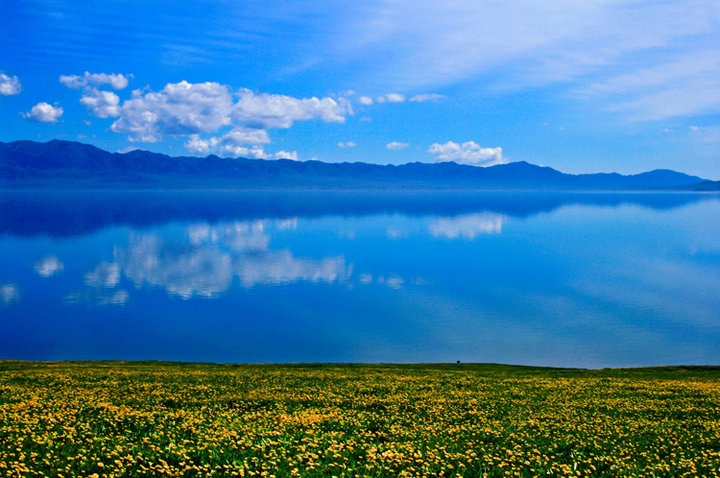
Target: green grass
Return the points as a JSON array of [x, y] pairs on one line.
[[384, 420]]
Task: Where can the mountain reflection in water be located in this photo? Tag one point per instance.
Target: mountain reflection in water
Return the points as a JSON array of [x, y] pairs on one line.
[[564, 279]]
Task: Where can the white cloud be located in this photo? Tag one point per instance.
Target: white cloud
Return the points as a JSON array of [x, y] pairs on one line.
[[263, 110], [467, 153], [391, 98], [240, 142], [243, 136], [287, 155], [103, 104], [365, 100], [186, 109], [116, 80], [395, 146], [432, 43], [44, 113], [434, 97], [9, 85], [412, 45], [48, 266], [257, 152], [347, 144], [197, 145], [680, 87], [178, 109], [9, 293], [253, 152]]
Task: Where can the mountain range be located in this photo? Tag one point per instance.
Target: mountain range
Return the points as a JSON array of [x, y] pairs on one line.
[[69, 164]]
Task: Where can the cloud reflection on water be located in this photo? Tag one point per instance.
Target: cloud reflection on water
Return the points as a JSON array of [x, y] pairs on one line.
[[583, 285], [97, 297], [208, 258], [205, 259], [9, 293], [467, 226], [48, 266], [106, 274]]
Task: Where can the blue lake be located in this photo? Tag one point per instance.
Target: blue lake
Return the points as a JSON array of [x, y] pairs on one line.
[[559, 279]]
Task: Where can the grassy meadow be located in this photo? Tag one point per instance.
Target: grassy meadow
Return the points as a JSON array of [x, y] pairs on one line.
[[112, 419]]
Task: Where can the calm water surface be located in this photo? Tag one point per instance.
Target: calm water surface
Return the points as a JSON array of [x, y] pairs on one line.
[[556, 279]]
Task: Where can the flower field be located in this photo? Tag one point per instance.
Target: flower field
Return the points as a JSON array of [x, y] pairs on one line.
[[112, 419]]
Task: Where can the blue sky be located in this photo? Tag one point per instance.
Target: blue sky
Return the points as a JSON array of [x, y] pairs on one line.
[[589, 86]]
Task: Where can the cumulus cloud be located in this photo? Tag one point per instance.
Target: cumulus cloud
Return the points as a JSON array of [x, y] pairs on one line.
[[178, 109], [467, 153], [186, 109], [240, 136], [197, 145], [287, 155], [391, 98], [48, 266], [103, 104], [115, 80], [9, 85], [347, 144], [365, 100], [434, 97], [253, 152], [44, 113], [263, 110], [242, 142], [257, 152], [395, 146]]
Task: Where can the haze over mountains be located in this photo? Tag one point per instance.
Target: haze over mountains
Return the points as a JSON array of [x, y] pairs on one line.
[[68, 164]]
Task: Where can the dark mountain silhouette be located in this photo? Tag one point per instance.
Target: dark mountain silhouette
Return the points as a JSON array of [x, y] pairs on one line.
[[702, 186], [68, 164]]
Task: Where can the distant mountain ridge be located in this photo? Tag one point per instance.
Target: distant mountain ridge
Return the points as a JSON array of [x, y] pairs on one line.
[[69, 164]]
